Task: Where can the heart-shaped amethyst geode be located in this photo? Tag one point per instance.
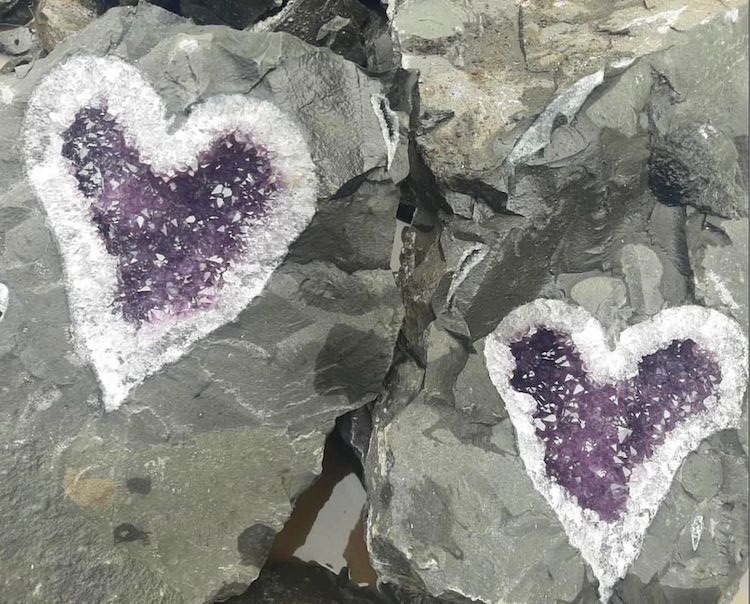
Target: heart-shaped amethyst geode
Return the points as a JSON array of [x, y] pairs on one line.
[[168, 226], [595, 434], [173, 237], [602, 432]]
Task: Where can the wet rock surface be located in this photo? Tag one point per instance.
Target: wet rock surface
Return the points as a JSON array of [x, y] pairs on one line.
[[590, 153]]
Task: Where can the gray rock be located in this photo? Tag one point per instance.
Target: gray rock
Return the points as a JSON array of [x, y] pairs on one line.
[[495, 66], [718, 258], [58, 19], [15, 13], [355, 428], [6, 6], [461, 203], [452, 511], [606, 298], [305, 584], [452, 506], [698, 165], [176, 496], [667, 238], [642, 271], [17, 41], [353, 30], [233, 13], [701, 474]]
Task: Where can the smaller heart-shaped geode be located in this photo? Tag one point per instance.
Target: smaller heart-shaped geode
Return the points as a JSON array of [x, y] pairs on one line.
[[602, 432]]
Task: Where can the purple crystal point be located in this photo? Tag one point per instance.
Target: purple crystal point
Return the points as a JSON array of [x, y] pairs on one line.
[[174, 236], [595, 434]]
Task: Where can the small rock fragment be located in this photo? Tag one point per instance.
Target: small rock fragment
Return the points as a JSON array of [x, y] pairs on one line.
[[643, 271], [605, 298], [719, 260], [698, 165], [57, 19], [16, 41]]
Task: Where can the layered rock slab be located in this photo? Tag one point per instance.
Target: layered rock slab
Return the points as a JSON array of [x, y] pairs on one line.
[[177, 494], [489, 68]]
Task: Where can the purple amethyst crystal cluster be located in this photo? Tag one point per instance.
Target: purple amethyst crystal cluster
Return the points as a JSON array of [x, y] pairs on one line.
[[594, 434], [174, 236]]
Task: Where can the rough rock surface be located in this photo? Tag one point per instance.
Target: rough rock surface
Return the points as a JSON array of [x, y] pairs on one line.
[[355, 30], [584, 151], [718, 258], [303, 584], [57, 19], [698, 165], [6, 6], [176, 496], [234, 13], [490, 67], [563, 205]]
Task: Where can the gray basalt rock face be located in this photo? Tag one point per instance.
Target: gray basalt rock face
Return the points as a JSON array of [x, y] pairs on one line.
[[564, 205], [591, 153], [176, 495], [300, 584], [490, 68], [352, 29], [233, 13], [696, 164], [57, 19]]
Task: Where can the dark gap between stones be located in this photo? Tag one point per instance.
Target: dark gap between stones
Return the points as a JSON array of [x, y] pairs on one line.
[[340, 463], [405, 213]]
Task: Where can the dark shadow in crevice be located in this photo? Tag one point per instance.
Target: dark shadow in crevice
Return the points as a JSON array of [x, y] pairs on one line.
[[339, 460]]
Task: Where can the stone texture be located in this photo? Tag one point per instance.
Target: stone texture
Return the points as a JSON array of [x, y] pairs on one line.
[[555, 149], [233, 13], [718, 257], [17, 13], [642, 271], [477, 512], [176, 496], [6, 6], [574, 216], [303, 584], [698, 165], [355, 30], [17, 41], [57, 19], [606, 298], [493, 66]]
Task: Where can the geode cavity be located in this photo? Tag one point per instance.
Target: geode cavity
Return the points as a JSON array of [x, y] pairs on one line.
[[594, 434], [174, 236]]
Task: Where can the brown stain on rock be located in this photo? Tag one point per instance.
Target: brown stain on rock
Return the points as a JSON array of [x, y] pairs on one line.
[[358, 558], [88, 492]]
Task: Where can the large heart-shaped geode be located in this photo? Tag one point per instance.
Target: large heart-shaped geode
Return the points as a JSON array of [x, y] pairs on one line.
[[167, 232]]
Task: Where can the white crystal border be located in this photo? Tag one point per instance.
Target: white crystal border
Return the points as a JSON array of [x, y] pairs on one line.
[[610, 548], [122, 356]]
